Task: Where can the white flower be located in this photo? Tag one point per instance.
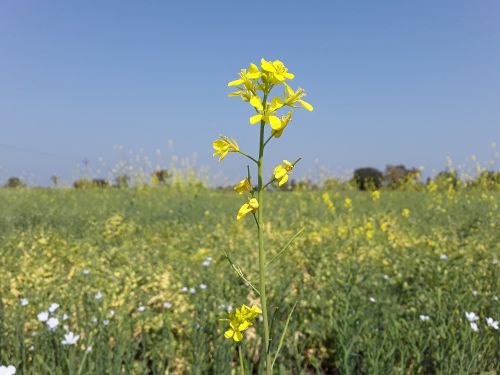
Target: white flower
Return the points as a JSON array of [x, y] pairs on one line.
[[98, 295], [53, 307], [424, 318], [492, 323], [373, 300], [495, 298], [43, 316], [52, 323], [141, 309], [443, 257], [386, 277], [471, 317], [475, 293], [105, 322], [167, 305], [70, 339], [205, 263], [94, 320], [7, 370], [89, 349], [24, 301], [66, 327], [494, 261], [474, 327], [184, 289], [65, 317], [111, 313], [208, 259], [85, 272], [203, 286], [192, 290], [229, 308]]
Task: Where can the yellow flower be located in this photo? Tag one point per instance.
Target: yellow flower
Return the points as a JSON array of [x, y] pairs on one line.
[[294, 97], [224, 145], [243, 186], [240, 321], [405, 213], [282, 171], [375, 195], [284, 122], [348, 203], [251, 206], [246, 77], [276, 70], [268, 113]]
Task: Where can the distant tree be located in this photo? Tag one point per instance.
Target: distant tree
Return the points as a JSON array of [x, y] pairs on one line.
[[14, 182], [160, 177], [367, 178], [55, 181], [122, 181], [398, 175]]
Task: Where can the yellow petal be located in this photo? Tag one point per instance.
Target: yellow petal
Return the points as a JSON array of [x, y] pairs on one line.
[[253, 203], [279, 172], [236, 82], [255, 119], [283, 180], [256, 102], [306, 105], [267, 66], [275, 122], [289, 75], [228, 334], [238, 336]]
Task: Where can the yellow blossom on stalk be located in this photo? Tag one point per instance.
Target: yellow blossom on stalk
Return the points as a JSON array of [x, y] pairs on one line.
[[224, 145], [240, 321], [282, 171], [276, 71], [251, 206], [375, 195], [284, 122], [243, 186], [267, 114], [405, 213], [247, 84], [293, 97], [328, 201], [246, 77], [348, 204]]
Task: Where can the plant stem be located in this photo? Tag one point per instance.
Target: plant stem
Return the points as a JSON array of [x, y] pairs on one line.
[[242, 365], [262, 255]]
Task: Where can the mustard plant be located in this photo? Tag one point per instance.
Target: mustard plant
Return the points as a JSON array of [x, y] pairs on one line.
[[254, 86]]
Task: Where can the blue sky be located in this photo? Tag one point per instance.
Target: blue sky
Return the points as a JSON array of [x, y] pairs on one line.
[[407, 82]]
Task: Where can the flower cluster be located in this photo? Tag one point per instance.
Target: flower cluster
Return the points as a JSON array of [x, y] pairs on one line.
[[240, 321]]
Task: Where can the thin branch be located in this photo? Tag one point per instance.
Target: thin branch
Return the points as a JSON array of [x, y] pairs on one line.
[[248, 156]]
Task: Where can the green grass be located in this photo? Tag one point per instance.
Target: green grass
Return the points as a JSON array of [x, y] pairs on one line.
[[141, 247]]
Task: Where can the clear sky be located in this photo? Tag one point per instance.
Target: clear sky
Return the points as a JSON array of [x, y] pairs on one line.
[[392, 81]]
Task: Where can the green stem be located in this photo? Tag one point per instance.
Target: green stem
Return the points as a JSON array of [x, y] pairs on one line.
[[242, 365], [262, 255], [248, 156]]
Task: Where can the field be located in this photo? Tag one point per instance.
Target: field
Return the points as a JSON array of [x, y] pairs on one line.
[[382, 283]]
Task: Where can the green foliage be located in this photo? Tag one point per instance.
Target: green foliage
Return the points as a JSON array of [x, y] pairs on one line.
[[85, 183], [361, 279]]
